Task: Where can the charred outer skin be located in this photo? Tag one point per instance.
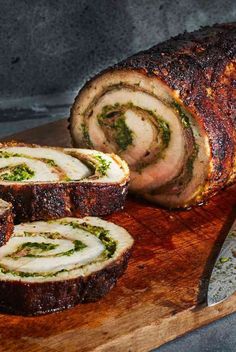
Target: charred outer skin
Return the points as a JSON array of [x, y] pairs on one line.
[[45, 201], [195, 64], [6, 225], [57, 200], [30, 299], [201, 67]]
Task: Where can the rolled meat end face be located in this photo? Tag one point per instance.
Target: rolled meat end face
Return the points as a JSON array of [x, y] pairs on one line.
[[143, 121], [46, 251], [30, 164], [48, 183], [69, 260]]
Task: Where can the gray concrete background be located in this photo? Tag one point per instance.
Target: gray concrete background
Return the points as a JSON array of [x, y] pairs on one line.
[[53, 46], [50, 48]]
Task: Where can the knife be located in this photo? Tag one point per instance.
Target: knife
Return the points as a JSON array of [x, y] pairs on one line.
[[222, 283]]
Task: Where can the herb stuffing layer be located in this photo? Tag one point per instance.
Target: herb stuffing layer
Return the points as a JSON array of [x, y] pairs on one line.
[[169, 112], [45, 183], [64, 247], [54, 265], [155, 137], [25, 163]]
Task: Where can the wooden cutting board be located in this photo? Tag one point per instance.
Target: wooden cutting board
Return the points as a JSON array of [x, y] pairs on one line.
[[161, 295]]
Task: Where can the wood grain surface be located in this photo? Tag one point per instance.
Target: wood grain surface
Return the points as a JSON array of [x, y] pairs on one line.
[[161, 296]]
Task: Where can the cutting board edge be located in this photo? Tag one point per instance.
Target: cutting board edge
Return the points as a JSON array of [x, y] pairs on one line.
[[144, 339], [148, 336]]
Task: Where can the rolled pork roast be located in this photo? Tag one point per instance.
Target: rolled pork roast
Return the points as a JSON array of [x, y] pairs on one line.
[[48, 183], [170, 113], [48, 266]]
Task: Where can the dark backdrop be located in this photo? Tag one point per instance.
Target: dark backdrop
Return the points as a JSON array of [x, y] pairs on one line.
[[49, 48], [52, 46]]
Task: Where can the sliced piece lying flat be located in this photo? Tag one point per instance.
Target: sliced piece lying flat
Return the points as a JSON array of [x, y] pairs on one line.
[[50, 266], [6, 221], [45, 183]]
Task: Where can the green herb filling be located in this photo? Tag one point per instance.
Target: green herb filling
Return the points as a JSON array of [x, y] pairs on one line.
[[86, 136], [30, 274], [35, 249], [165, 131], [102, 166], [50, 162], [5, 154], [99, 232], [191, 159], [32, 249], [124, 136], [18, 173], [78, 246], [108, 111], [182, 114]]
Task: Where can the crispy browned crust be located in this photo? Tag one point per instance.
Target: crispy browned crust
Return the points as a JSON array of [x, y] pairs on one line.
[[201, 68], [30, 299], [6, 224], [44, 201], [197, 65]]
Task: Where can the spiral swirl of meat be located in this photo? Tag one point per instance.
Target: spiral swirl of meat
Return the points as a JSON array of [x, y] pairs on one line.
[[45, 183], [170, 113], [66, 258]]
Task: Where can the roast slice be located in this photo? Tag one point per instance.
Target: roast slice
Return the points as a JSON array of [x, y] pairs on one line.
[[170, 113], [46, 183], [6, 221], [53, 265]]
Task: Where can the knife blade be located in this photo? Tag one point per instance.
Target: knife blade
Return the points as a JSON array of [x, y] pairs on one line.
[[222, 282]]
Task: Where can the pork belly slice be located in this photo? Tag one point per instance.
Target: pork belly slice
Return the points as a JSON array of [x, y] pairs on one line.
[[162, 111], [46, 183], [6, 221], [54, 265]]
